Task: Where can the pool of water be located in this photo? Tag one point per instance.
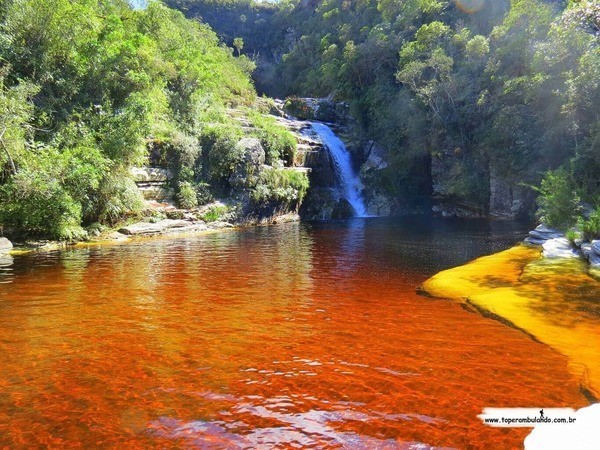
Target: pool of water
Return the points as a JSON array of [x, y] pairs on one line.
[[291, 336]]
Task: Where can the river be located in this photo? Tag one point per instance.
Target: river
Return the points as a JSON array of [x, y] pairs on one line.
[[296, 335]]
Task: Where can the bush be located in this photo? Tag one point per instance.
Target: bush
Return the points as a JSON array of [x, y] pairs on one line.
[[117, 197], [214, 213], [558, 202], [34, 204], [203, 194], [282, 186], [297, 107], [186, 197], [220, 154], [50, 195], [590, 228], [277, 141]]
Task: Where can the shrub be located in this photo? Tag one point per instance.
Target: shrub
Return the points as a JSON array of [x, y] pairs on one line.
[[203, 194], [277, 141], [558, 202], [186, 197], [214, 213], [35, 204], [220, 154], [590, 228], [282, 186], [326, 112], [298, 107], [117, 196], [49, 196]]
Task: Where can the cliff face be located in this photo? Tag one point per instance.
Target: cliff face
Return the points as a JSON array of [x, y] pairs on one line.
[[470, 189]]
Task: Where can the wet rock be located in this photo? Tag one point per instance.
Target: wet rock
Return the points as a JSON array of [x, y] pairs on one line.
[[534, 241], [153, 228], [190, 228], [378, 204], [286, 218], [595, 247], [559, 248], [343, 210], [592, 253], [218, 225], [5, 245], [319, 203], [141, 228], [542, 234]]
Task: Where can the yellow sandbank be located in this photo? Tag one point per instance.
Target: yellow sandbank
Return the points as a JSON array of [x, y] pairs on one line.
[[554, 300]]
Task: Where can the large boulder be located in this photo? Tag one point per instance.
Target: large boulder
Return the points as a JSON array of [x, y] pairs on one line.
[[252, 157], [5, 245]]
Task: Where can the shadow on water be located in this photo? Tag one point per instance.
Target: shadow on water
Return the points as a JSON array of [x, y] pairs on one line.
[[424, 244]]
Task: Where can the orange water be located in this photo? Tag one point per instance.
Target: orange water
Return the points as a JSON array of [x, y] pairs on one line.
[[284, 337]]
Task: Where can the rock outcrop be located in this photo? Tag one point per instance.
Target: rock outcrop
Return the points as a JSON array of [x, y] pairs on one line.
[[153, 183], [555, 245], [251, 158], [155, 228], [559, 247], [5, 245], [541, 234]]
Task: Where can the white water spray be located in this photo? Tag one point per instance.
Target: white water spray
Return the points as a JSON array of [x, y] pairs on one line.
[[350, 184]]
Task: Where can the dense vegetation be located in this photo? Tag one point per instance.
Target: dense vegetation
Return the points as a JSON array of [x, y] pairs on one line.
[[486, 90], [89, 87]]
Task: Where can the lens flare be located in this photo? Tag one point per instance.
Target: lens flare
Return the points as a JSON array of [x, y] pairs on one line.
[[469, 6]]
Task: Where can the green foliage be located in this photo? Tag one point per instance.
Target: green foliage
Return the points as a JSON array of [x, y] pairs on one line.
[[590, 227], [84, 87], [47, 196], [214, 213], [572, 236], [186, 197], [280, 186], [298, 107], [220, 153], [559, 205], [278, 142]]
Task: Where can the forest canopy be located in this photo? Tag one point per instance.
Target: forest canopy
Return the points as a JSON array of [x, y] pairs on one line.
[[506, 90], [86, 87]]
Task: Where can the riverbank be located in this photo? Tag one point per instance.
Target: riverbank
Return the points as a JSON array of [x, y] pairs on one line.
[[553, 300], [163, 220]]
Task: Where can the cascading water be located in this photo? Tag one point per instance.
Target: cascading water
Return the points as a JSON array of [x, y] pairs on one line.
[[350, 184]]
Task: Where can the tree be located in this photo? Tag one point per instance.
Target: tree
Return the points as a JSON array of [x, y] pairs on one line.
[[238, 43]]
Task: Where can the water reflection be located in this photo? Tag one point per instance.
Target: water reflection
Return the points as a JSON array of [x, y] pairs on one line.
[[295, 335], [6, 262]]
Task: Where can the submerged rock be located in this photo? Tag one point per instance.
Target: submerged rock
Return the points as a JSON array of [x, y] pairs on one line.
[[5, 245]]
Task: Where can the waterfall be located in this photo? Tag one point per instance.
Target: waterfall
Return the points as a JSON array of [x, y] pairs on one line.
[[349, 182]]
